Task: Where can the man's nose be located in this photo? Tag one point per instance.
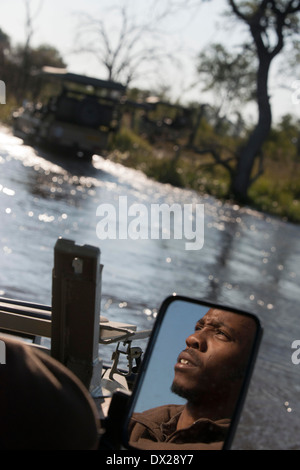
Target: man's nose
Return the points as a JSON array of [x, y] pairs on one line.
[[197, 340]]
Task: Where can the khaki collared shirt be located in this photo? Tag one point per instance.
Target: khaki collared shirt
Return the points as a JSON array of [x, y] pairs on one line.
[[156, 429]]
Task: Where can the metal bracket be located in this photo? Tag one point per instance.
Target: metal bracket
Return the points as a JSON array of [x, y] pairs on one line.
[[134, 353]]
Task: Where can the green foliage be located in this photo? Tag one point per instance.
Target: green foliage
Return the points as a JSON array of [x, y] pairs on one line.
[[277, 198], [7, 109], [231, 76], [165, 171], [45, 55], [19, 64], [130, 149], [283, 142], [276, 192]]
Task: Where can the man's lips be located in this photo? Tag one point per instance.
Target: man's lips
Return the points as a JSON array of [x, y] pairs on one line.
[[188, 358]]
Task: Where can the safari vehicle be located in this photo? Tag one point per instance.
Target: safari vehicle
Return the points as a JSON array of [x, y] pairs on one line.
[[80, 119], [79, 333]]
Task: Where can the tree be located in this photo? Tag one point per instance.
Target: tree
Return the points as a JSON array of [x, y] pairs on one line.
[[271, 23], [29, 31], [45, 55], [127, 44], [4, 49], [230, 75], [4, 42]]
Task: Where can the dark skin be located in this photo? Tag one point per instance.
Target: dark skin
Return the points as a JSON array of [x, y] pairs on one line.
[[209, 372]]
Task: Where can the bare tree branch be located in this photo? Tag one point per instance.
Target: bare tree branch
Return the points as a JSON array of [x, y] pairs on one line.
[[124, 48]]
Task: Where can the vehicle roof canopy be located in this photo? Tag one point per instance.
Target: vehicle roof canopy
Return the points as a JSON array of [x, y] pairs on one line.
[[65, 76]]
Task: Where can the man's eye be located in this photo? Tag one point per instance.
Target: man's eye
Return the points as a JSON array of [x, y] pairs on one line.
[[223, 334]]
